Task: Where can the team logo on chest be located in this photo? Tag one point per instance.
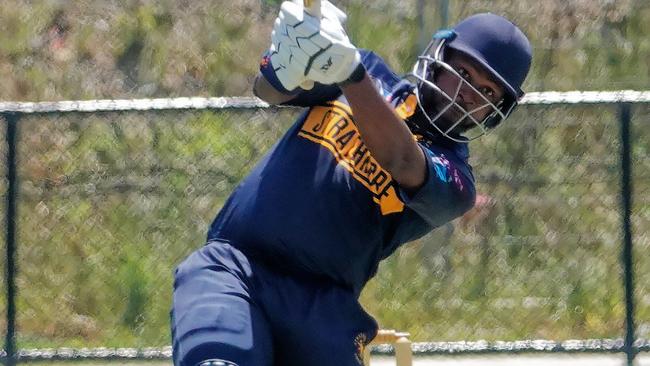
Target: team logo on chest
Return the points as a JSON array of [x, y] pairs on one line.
[[332, 127]]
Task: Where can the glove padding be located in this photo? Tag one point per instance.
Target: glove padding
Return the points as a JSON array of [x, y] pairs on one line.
[[306, 48], [289, 74]]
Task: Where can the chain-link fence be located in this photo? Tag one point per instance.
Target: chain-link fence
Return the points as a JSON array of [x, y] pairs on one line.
[[111, 195]]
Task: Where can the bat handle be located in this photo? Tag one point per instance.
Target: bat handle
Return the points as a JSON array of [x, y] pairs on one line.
[[313, 8]]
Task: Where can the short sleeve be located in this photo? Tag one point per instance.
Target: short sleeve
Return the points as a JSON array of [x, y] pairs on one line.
[[448, 191]]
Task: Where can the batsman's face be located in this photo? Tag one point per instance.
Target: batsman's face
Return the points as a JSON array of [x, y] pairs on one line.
[[472, 89]]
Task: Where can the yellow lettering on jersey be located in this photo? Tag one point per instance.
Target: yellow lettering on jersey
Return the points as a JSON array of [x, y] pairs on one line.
[[332, 127]]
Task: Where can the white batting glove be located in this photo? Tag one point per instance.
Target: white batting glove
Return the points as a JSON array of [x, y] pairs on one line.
[[335, 63], [288, 60], [290, 74], [317, 46]]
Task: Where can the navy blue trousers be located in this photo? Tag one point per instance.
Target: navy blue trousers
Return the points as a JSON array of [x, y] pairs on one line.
[[228, 307]]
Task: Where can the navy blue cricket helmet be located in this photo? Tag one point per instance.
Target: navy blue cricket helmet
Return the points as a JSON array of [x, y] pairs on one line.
[[499, 47]]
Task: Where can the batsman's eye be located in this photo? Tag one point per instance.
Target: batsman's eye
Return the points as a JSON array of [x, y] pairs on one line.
[[491, 95], [462, 72], [487, 92]]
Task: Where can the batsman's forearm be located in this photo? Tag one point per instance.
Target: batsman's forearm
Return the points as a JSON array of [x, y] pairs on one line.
[[385, 134], [265, 91]]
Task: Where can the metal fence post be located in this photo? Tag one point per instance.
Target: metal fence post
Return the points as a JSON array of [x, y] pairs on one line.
[[626, 206], [11, 120]]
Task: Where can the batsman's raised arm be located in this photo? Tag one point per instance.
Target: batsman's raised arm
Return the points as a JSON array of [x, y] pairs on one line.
[[265, 91], [309, 48], [335, 60], [386, 135]]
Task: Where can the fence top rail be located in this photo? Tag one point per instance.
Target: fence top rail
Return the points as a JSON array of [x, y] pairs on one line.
[[117, 105], [418, 349]]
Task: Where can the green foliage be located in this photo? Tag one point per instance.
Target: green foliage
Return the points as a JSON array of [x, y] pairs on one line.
[[90, 50]]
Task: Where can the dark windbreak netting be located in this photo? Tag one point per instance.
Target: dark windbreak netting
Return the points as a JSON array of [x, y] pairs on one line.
[[110, 202]]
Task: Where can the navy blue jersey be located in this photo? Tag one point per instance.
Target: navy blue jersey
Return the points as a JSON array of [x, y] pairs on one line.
[[319, 203]]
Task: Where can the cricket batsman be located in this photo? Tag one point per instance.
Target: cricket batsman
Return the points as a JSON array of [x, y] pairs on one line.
[[374, 161]]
